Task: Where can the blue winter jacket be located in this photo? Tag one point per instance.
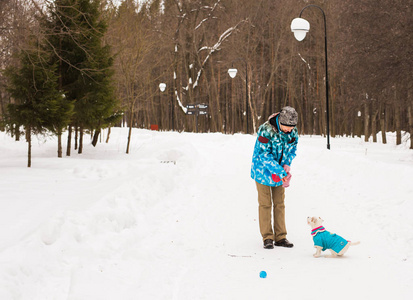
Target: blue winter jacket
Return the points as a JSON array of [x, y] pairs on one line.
[[273, 149], [327, 240]]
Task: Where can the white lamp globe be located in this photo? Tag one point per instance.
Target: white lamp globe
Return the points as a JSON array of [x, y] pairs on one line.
[[162, 87], [300, 27], [232, 72]]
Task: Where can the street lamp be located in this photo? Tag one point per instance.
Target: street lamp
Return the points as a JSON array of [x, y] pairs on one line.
[[162, 88], [300, 27], [232, 73]]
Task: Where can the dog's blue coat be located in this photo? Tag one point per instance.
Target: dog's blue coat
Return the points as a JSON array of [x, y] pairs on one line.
[[327, 240]]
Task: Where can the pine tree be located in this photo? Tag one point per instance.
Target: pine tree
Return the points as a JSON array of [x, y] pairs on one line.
[[37, 98], [85, 64]]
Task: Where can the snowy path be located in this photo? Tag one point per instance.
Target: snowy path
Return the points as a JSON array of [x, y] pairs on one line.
[[177, 219]]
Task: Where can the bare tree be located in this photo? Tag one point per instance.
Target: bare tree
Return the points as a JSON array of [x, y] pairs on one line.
[[16, 23], [194, 45], [133, 45]]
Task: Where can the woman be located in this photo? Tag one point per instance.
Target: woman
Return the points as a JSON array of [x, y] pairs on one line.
[[273, 153]]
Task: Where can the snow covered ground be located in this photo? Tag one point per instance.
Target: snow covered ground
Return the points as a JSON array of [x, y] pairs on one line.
[[177, 219]]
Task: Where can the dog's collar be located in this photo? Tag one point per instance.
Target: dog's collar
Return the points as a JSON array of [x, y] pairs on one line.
[[317, 230]]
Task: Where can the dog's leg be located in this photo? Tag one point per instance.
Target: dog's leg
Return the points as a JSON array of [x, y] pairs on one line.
[[318, 251], [333, 254], [344, 250]]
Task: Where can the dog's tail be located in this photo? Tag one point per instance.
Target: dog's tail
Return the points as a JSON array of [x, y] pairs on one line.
[[353, 243]]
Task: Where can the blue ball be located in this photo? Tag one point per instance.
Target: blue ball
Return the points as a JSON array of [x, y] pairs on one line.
[[263, 274]]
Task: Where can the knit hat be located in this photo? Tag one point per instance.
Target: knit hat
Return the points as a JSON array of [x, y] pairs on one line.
[[288, 116]]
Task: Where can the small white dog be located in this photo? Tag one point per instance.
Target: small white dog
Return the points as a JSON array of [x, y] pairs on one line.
[[324, 240]]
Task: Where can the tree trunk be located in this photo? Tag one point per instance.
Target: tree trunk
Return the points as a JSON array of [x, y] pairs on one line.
[[383, 123], [107, 138], [69, 140], [218, 91], [129, 138], [397, 119], [130, 132], [358, 125], [374, 123], [80, 150], [29, 146], [366, 121], [95, 137], [76, 137], [59, 143], [17, 132], [410, 112], [398, 122], [315, 122]]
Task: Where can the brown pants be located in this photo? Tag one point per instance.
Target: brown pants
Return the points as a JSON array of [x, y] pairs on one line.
[[271, 199]]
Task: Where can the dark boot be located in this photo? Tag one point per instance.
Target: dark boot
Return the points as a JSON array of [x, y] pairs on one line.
[[284, 243], [268, 244]]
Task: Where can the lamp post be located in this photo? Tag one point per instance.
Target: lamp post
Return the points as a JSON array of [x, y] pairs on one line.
[[232, 72], [162, 88], [300, 27]]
